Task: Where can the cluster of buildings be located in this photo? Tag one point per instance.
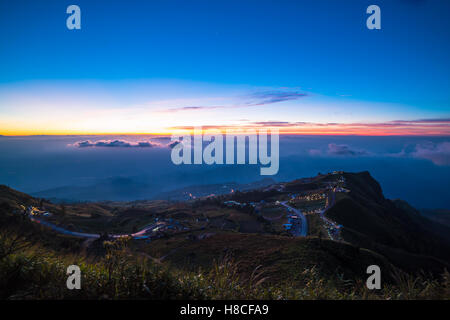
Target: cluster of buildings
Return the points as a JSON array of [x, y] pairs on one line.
[[292, 219], [340, 185], [313, 197], [294, 224], [36, 212]]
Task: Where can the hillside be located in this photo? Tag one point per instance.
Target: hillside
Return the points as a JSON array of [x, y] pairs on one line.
[[13, 197], [280, 257], [392, 228], [351, 225]]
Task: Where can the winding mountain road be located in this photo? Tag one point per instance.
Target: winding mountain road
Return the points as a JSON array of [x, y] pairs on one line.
[[139, 234], [299, 230], [62, 230], [303, 231]]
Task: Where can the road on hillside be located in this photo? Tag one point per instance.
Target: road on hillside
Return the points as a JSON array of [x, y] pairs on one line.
[[62, 230], [138, 234], [303, 231], [332, 200]]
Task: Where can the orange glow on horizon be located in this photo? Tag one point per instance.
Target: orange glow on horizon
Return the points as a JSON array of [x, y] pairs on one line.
[[309, 129]]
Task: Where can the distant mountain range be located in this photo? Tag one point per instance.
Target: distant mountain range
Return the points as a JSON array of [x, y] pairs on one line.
[[198, 191], [117, 189], [129, 189]]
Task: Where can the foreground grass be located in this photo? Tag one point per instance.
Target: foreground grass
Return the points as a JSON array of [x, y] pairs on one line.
[[28, 272]]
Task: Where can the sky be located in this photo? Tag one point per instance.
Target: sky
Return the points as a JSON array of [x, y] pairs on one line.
[[82, 107], [305, 67]]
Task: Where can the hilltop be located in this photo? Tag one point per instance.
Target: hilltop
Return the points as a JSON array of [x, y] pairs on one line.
[[392, 228]]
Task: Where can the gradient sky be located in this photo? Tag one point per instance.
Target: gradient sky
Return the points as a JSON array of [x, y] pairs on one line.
[[155, 66]]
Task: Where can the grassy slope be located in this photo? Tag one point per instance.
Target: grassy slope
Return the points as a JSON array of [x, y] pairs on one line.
[[282, 258]]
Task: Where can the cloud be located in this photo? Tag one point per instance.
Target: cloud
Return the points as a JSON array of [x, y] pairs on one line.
[[420, 127], [145, 144], [114, 144], [275, 96], [337, 150], [252, 100], [190, 108], [438, 153], [125, 144], [279, 124], [83, 144], [423, 121], [344, 150]]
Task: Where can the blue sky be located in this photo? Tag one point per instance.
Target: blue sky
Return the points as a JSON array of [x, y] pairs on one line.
[[210, 52]]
